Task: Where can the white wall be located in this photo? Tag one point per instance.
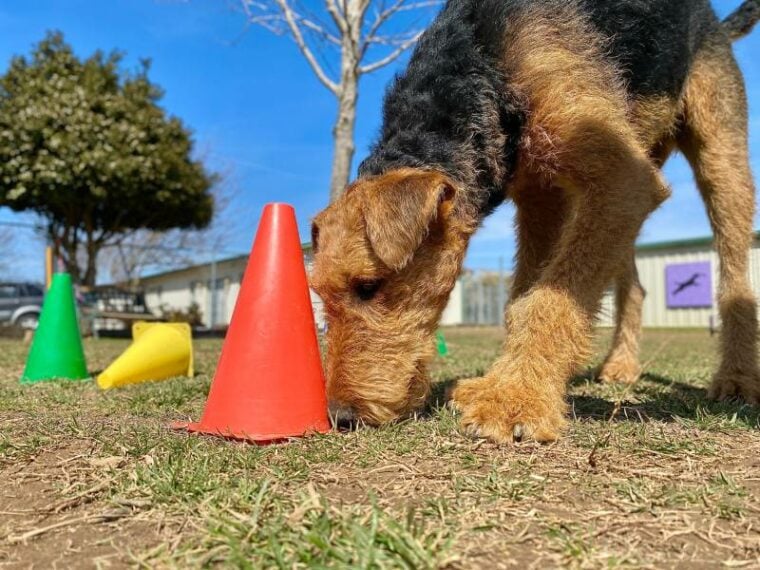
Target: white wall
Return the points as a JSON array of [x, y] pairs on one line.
[[453, 314], [651, 266], [177, 290]]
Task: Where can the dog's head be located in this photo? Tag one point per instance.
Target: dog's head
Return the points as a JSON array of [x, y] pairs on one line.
[[387, 255]]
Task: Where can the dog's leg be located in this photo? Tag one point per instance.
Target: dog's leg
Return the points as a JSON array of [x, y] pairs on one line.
[[622, 362], [715, 143], [548, 329], [579, 138], [541, 212]]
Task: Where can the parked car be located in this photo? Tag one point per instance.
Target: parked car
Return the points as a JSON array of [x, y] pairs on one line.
[[110, 310], [20, 304]]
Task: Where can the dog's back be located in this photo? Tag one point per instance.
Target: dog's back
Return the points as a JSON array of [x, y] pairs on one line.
[[653, 41]]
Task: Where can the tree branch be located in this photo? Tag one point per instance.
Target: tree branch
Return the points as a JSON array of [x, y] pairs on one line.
[[381, 17], [294, 22], [316, 28], [394, 40], [391, 57], [281, 16], [385, 14], [338, 16]]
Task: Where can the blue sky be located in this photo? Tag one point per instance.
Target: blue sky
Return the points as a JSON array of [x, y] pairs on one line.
[[260, 117]]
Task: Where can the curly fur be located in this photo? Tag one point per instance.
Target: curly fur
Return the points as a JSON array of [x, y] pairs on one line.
[[570, 108]]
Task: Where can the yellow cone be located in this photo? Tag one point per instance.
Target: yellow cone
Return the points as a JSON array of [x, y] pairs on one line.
[[159, 351]]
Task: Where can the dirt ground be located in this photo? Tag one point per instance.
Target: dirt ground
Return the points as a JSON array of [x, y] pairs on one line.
[[648, 476]]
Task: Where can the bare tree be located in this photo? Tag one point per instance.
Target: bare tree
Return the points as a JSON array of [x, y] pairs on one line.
[[365, 36], [130, 254]]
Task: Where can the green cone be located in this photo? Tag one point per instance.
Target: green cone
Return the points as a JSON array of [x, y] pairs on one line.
[[440, 342], [57, 346]]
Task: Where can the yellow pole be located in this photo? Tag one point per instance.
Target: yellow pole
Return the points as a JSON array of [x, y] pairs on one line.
[[48, 266]]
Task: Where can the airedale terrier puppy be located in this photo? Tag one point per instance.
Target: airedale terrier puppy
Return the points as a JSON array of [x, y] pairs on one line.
[[569, 108]]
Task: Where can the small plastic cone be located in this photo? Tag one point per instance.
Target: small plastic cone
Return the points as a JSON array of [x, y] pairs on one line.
[[269, 383], [159, 351], [56, 351], [440, 342]]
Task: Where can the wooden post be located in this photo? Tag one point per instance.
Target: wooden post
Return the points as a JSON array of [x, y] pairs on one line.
[[48, 266]]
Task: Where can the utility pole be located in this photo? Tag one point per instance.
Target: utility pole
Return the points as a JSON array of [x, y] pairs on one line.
[[502, 290], [212, 313]]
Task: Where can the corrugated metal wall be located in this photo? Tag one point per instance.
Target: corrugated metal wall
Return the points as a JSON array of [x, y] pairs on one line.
[[484, 294], [651, 266]]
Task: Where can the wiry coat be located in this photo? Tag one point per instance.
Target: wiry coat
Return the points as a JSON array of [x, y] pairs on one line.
[[569, 108], [456, 109]]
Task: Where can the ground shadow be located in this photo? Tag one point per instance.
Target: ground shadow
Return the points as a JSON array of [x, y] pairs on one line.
[[657, 398], [440, 395]]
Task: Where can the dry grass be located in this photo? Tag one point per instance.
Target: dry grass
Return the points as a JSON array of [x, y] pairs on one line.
[[649, 476]]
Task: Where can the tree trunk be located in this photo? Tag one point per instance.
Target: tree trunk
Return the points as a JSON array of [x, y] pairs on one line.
[[92, 248], [66, 248], [343, 131], [68, 253], [91, 270], [343, 138]]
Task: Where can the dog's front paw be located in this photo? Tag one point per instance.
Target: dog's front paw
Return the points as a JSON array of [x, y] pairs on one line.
[[730, 385], [504, 412]]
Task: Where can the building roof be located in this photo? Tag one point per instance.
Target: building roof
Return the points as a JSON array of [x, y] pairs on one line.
[[705, 241], [305, 247]]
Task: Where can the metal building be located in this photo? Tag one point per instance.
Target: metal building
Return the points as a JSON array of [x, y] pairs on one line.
[[214, 287], [681, 280]]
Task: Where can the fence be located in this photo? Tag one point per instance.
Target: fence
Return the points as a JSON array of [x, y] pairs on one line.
[[484, 294]]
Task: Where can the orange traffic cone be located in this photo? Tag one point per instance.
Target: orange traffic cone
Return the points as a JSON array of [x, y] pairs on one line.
[[269, 383]]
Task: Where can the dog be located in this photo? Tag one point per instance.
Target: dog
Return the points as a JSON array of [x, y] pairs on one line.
[[569, 108]]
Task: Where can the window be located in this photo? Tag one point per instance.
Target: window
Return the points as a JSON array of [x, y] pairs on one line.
[[33, 291], [8, 291]]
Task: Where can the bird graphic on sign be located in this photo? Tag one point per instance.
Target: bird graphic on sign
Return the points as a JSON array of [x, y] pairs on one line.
[[690, 282]]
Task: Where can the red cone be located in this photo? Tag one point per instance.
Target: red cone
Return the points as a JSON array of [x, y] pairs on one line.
[[269, 383]]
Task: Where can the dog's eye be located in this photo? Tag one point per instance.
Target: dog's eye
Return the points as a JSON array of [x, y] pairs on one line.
[[367, 289]]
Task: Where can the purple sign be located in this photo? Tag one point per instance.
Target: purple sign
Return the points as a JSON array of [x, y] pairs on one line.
[[689, 285]]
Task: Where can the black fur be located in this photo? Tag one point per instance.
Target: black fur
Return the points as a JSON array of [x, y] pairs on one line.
[[653, 41], [453, 108], [743, 19]]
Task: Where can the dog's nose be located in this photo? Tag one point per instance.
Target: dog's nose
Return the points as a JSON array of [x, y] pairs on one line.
[[342, 416]]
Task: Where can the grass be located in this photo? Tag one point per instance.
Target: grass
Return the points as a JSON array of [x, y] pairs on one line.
[[652, 475]]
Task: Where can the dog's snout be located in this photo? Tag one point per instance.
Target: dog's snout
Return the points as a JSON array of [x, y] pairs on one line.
[[342, 416]]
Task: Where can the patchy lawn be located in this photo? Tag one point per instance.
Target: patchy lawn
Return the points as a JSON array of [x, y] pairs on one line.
[[648, 476]]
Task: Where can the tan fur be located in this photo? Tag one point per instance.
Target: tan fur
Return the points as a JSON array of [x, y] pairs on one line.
[[715, 143], [377, 355], [588, 176], [713, 136], [541, 213], [622, 363], [581, 142], [655, 120]]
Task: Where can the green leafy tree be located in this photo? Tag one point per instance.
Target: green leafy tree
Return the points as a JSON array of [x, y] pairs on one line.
[[86, 146]]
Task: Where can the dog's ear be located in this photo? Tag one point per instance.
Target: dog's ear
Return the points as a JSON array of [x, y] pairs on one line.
[[399, 211]]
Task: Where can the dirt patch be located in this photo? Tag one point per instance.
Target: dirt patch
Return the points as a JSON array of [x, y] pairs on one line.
[[57, 513]]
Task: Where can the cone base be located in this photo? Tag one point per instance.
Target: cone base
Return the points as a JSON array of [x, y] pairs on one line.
[[241, 435], [62, 377]]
